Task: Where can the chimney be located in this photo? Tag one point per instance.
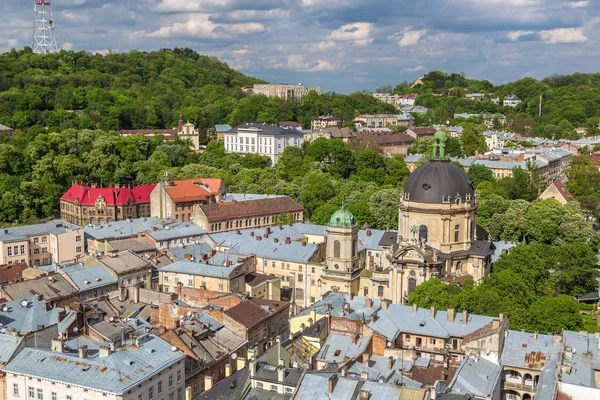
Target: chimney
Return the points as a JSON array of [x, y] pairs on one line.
[[58, 346], [344, 371], [240, 363], [258, 238], [280, 373], [275, 240], [252, 365], [369, 303], [368, 232], [40, 327], [364, 375], [385, 304], [179, 290], [363, 395], [535, 336], [268, 230], [204, 257], [351, 296], [390, 362], [432, 311], [365, 358], [354, 339], [83, 351], [40, 297], [450, 313], [188, 257], [227, 370], [501, 317], [104, 351], [331, 383], [208, 382], [303, 244], [252, 234], [465, 316], [288, 240], [212, 252]]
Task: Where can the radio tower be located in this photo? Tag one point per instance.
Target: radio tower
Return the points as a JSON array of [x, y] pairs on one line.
[[44, 40]]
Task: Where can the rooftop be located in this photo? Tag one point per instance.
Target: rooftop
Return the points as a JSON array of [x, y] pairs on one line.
[[117, 373], [339, 347], [128, 228], [265, 129], [113, 196], [88, 278], [476, 376], [253, 311], [529, 350], [193, 189], [201, 269], [50, 287], [124, 262], [24, 315], [247, 208]]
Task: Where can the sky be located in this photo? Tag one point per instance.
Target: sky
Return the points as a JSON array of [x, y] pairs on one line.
[[338, 45]]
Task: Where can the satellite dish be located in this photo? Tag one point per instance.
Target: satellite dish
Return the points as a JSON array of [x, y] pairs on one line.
[[111, 319], [189, 313], [23, 303], [2, 331], [389, 344], [233, 356], [76, 329]]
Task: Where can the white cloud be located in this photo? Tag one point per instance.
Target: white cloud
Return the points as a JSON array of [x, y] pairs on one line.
[[564, 35], [73, 16], [200, 27], [196, 5], [67, 46], [409, 38], [323, 66], [418, 68], [514, 36], [358, 32], [256, 15], [578, 4]]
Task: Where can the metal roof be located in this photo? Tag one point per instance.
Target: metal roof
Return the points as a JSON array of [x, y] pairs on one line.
[[519, 346], [8, 346], [26, 314], [53, 227], [87, 278], [315, 386], [127, 228], [337, 347], [201, 269], [476, 376], [334, 302], [116, 373]]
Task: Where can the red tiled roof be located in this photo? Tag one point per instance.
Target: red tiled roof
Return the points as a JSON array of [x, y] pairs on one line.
[[194, 189], [87, 195], [253, 311], [250, 208]]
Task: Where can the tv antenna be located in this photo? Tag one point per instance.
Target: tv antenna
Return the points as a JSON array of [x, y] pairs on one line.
[[44, 39]]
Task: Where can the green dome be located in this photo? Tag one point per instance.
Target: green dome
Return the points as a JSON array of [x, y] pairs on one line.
[[342, 219]]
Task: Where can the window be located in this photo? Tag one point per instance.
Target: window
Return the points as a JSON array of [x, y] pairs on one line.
[[432, 341], [40, 394], [44, 239], [259, 384], [407, 337], [159, 387], [313, 270], [179, 376], [78, 238], [36, 240], [190, 282], [140, 396], [171, 396], [31, 393], [366, 291], [300, 278], [44, 250], [336, 249], [78, 249], [36, 251], [69, 398], [16, 250], [9, 251], [180, 394], [274, 388], [15, 389], [422, 234], [54, 396], [380, 291], [170, 380], [456, 233], [165, 278]]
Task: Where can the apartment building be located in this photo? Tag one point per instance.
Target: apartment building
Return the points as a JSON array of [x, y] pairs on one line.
[[127, 267], [199, 274], [85, 204], [512, 101], [383, 120], [325, 121], [146, 368], [178, 199], [41, 244], [283, 90], [263, 139]]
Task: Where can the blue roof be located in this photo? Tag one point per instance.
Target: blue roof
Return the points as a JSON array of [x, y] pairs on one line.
[[52, 227], [27, 318], [334, 302], [117, 373], [8, 346], [222, 127], [188, 229], [248, 196], [195, 250], [586, 346], [476, 376], [502, 248], [201, 269], [86, 278], [314, 386]]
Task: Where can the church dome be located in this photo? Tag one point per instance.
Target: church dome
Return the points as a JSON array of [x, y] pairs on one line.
[[342, 218], [439, 182]]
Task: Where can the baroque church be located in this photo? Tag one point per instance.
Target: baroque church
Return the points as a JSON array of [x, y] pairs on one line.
[[437, 236]]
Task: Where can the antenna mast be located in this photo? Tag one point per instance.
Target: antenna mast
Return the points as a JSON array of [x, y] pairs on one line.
[[44, 40]]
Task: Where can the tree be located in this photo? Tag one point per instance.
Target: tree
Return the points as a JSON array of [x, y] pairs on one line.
[[472, 141], [543, 219], [480, 173], [553, 315], [383, 206], [575, 269], [290, 163]]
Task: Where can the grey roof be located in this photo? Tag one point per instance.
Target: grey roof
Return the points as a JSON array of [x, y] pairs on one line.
[[519, 345], [195, 250], [201, 269], [378, 368], [381, 391], [263, 394], [124, 261], [266, 129], [267, 248], [228, 388], [5, 128], [501, 248], [8, 346], [50, 287], [27, 318], [476, 376], [128, 228], [53, 227], [117, 373], [267, 372], [87, 278], [586, 346], [315, 386], [546, 387], [186, 230], [222, 127], [388, 239], [137, 245], [401, 318], [334, 302], [337, 347], [435, 180]]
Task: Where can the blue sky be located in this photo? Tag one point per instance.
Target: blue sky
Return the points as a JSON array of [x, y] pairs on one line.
[[339, 45]]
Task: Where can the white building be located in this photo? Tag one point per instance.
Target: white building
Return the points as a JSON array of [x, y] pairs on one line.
[[497, 140], [512, 101], [148, 368], [283, 90], [262, 139]]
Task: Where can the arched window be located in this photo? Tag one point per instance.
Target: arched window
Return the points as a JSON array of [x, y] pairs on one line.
[[423, 234], [456, 233], [336, 249]]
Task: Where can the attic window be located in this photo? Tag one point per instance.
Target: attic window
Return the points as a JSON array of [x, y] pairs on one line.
[[422, 323]]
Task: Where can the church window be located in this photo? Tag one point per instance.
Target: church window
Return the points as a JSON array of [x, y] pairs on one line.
[[456, 233], [423, 234], [336, 249]]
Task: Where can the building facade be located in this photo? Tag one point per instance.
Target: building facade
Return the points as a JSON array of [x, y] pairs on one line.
[[178, 199], [325, 121], [85, 204], [262, 139], [284, 91]]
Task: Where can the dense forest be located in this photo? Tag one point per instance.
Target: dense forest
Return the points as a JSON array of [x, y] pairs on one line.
[[568, 101], [139, 90]]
